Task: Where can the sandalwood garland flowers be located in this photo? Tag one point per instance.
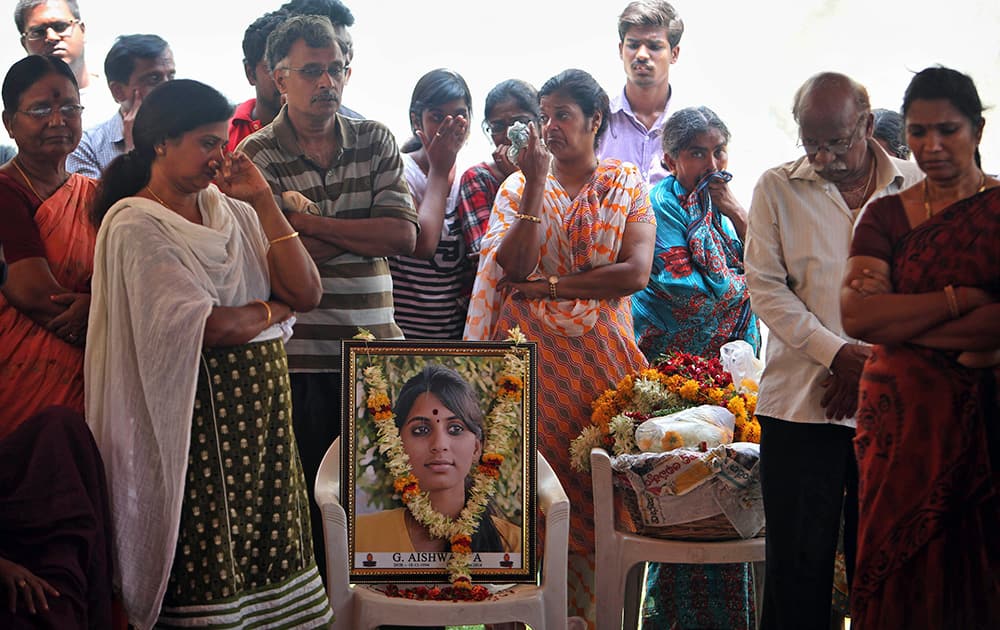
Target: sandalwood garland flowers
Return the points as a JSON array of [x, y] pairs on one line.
[[678, 381], [501, 424]]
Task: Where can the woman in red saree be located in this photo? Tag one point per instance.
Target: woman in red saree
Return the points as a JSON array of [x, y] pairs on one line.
[[921, 285], [48, 243], [565, 248]]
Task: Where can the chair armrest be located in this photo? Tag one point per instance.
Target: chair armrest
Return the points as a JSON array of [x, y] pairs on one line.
[[604, 499], [327, 493], [555, 508]]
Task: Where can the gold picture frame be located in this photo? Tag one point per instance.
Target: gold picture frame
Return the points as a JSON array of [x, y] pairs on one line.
[[386, 544]]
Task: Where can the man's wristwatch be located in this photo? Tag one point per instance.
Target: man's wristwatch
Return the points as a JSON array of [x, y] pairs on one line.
[[553, 281]]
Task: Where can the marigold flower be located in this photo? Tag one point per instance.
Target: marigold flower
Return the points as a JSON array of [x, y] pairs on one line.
[[671, 440], [737, 406], [493, 459], [716, 395], [509, 386], [401, 483], [689, 389]]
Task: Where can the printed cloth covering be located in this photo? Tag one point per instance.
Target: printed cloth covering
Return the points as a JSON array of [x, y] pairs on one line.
[[682, 486]]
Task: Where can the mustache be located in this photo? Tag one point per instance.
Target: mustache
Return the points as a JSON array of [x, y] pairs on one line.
[[326, 96]]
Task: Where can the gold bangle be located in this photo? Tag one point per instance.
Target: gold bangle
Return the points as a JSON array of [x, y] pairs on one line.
[[267, 307], [284, 238], [527, 217], [949, 294]]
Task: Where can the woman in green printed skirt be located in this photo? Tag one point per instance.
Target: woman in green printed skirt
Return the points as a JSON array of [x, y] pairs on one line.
[[194, 287]]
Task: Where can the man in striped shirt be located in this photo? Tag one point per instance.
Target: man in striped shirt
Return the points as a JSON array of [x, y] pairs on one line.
[[359, 211]]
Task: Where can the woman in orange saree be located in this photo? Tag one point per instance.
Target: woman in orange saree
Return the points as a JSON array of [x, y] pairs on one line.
[[48, 243], [564, 250], [921, 284]]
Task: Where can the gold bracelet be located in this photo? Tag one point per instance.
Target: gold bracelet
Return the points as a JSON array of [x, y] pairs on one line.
[[949, 294], [267, 307], [284, 238], [527, 217]]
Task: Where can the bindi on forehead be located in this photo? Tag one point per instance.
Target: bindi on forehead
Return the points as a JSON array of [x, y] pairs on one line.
[[434, 412]]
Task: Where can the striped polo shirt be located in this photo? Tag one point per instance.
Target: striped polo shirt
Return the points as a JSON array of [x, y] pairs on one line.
[[364, 181]]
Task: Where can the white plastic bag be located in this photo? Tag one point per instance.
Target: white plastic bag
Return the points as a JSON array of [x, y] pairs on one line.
[[738, 359], [701, 427]]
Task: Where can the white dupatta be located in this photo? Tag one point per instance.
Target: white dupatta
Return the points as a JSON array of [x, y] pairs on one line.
[[156, 279]]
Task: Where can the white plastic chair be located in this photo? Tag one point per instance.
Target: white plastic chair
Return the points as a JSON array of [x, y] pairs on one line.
[[620, 555], [358, 607]]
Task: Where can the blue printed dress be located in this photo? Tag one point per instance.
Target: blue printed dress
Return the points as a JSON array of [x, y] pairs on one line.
[[697, 298]]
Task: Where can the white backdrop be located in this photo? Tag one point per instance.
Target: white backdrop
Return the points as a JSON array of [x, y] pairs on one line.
[[742, 59]]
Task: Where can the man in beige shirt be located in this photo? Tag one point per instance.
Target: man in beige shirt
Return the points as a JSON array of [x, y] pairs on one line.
[[801, 221]]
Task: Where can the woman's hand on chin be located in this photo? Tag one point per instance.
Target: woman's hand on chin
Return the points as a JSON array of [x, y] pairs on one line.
[[534, 158], [240, 178]]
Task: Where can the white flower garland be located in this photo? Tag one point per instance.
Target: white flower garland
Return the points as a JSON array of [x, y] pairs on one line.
[[502, 423]]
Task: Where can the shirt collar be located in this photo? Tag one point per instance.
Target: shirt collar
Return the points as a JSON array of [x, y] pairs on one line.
[[344, 134], [620, 104], [244, 111]]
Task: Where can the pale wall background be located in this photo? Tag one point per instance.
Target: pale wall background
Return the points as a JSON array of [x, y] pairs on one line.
[[743, 59]]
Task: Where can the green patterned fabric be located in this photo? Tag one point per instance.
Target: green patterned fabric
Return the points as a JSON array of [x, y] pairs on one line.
[[244, 554]]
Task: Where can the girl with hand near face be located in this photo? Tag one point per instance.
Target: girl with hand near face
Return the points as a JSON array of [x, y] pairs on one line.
[[431, 288], [509, 102]]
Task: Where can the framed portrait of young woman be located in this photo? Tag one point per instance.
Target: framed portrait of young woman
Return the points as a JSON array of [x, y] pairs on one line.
[[438, 478]]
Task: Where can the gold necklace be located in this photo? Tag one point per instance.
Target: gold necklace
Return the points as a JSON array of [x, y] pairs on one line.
[[27, 180], [157, 197], [927, 193]]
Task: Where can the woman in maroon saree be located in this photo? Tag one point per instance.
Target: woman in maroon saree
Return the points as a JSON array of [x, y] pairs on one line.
[[921, 285]]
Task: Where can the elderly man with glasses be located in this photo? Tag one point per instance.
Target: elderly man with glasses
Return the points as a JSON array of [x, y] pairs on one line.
[[54, 27], [801, 221]]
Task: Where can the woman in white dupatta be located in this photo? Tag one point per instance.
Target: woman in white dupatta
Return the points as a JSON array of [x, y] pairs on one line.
[[187, 380]]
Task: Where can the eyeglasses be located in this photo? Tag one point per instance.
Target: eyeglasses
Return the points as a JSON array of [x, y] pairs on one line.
[[501, 126], [837, 147], [62, 30], [313, 72], [44, 112]]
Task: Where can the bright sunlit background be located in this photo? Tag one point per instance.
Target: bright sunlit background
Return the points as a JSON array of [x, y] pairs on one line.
[[742, 59]]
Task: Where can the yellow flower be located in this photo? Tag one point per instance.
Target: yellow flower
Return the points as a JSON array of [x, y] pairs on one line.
[[737, 406], [749, 385], [509, 386], [716, 395], [689, 390], [751, 403], [671, 440]]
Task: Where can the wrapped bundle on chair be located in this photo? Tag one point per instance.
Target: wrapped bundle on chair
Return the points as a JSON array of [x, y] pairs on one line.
[[685, 494]]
